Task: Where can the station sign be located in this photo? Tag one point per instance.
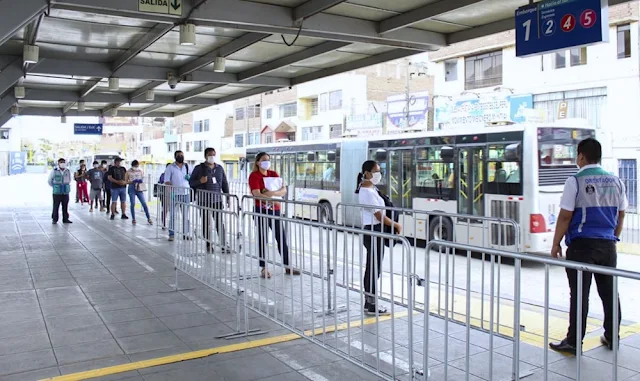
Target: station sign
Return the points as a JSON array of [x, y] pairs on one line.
[[553, 25], [87, 129], [165, 7], [17, 162]]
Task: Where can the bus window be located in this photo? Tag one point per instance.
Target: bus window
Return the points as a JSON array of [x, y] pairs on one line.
[[434, 179], [557, 154], [503, 171]]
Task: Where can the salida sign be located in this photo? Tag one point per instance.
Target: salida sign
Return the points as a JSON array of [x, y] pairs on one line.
[[167, 7]]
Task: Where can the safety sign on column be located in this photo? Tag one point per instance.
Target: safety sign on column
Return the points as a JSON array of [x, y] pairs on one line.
[[167, 7], [552, 25]]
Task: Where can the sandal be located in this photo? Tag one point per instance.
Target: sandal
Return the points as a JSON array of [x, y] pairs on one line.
[[266, 274]]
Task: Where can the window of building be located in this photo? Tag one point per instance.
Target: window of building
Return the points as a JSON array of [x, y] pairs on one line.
[[483, 70], [239, 140], [206, 125], [335, 130], [560, 60], [451, 70], [240, 113], [172, 147], [254, 138], [268, 138], [188, 147], [323, 101], [624, 41], [197, 126], [335, 100], [289, 110], [269, 113], [146, 150], [198, 146], [578, 56], [314, 106], [312, 133], [253, 111]]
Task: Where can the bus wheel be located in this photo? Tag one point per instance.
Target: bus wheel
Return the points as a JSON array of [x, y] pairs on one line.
[[324, 211], [440, 229]]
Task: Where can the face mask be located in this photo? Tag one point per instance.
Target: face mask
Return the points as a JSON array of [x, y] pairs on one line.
[[135, 168], [265, 164], [180, 159], [104, 166], [62, 165], [95, 166], [376, 178], [211, 159]]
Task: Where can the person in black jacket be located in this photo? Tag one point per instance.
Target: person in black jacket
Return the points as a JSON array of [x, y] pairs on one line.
[[211, 183]]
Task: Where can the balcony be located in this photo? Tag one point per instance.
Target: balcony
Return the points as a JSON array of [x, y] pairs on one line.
[[170, 138], [491, 81]]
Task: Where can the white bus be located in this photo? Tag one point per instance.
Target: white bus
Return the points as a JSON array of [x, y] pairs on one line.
[[514, 171]]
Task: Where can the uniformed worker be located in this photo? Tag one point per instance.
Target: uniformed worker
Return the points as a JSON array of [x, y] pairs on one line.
[[590, 220]]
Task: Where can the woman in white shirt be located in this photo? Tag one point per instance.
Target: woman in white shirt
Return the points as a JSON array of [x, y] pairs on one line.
[[372, 220], [135, 178]]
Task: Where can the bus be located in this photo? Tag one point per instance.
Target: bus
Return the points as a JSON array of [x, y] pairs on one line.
[[506, 171]]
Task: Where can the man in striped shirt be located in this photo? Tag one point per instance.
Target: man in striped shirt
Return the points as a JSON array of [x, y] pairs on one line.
[[211, 183]]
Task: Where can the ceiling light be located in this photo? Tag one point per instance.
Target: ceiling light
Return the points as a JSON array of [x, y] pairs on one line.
[[219, 64], [63, 119], [114, 112], [187, 34], [150, 95], [15, 110], [114, 84], [30, 54], [81, 106], [19, 92]]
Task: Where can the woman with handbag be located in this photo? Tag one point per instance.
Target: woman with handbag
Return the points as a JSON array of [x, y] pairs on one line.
[[137, 187], [373, 219]]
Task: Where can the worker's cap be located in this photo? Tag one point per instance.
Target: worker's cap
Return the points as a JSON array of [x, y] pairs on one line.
[[117, 159]]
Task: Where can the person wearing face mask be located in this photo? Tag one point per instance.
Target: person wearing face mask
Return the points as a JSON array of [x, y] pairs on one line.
[[81, 184], [261, 186], [373, 219], [137, 187], [177, 175], [116, 176], [592, 211], [95, 178], [211, 182], [60, 182], [77, 190]]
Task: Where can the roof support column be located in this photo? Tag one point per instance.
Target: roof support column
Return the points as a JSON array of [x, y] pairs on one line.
[[16, 15]]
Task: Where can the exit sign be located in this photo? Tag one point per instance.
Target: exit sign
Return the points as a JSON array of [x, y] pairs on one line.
[[553, 25]]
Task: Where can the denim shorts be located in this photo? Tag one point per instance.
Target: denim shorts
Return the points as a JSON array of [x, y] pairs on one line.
[[118, 192]]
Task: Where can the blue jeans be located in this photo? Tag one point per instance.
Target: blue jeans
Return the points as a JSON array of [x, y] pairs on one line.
[[175, 198], [132, 199], [120, 193]]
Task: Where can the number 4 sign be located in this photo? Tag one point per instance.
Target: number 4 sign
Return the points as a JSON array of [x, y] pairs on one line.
[[581, 23]]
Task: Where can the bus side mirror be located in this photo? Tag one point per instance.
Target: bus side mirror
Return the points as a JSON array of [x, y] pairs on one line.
[[381, 155], [513, 152], [311, 156], [447, 154], [331, 156]]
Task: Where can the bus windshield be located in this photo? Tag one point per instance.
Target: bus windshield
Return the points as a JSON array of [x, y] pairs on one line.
[[558, 146]]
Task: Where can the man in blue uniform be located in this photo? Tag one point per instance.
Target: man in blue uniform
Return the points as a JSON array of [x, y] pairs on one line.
[[590, 220], [60, 182]]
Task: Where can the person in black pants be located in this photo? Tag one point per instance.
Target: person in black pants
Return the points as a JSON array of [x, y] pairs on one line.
[[592, 210], [372, 220], [211, 183], [60, 182]]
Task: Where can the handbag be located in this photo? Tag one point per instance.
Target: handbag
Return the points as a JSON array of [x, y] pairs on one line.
[[141, 187], [392, 215]]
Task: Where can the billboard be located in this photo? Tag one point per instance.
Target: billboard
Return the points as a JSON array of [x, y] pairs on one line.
[[478, 111], [365, 125], [418, 110], [120, 121], [17, 162]]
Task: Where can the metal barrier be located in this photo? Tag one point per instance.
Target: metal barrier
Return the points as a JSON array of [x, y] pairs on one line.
[[168, 209], [294, 299]]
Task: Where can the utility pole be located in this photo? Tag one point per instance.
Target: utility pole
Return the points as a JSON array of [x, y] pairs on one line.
[[407, 96]]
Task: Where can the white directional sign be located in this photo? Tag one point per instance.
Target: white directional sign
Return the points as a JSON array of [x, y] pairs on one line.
[[167, 7]]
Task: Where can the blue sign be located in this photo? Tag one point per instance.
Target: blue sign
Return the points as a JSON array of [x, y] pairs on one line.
[[17, 163], [560, 24], [477, 112], [87, 129]]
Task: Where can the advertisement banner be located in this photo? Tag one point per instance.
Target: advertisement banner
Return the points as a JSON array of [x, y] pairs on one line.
[[477, 112], [17, 162], [365, 125], [418, 110]]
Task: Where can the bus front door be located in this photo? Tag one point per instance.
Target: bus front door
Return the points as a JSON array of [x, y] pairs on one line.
[[470, 194], [401, 178]]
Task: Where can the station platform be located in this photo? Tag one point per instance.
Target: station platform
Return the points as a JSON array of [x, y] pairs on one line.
[[97, 296]]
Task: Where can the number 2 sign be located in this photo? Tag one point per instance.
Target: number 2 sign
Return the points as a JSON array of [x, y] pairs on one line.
[[581, 22]]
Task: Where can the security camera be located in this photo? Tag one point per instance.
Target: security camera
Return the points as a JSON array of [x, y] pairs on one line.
[[172, 80]]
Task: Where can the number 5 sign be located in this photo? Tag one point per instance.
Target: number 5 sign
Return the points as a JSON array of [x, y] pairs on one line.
[[553, 25]]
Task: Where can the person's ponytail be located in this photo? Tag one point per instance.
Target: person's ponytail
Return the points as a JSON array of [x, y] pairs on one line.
[[360, 177]]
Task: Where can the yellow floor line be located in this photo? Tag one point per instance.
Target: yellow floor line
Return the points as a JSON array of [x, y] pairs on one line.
[[224, 349]]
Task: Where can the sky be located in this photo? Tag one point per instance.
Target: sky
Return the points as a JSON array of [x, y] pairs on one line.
[[50, 128]]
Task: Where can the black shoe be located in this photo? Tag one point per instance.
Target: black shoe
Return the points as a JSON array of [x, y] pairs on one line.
[[124, 217], [67, 222], [563, 346], [373, 310], [112, 217], [54, 222]]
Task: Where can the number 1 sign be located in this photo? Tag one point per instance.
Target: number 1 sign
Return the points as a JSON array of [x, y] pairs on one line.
[[560, 24]]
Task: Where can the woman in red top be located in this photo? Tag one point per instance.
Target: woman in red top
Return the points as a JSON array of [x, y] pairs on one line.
[[259, 190]]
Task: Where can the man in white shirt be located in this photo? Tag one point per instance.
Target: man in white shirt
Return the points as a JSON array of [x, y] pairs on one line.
[[177, 175]]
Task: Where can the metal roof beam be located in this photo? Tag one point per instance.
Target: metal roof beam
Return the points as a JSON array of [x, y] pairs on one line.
[[195, 92], [423, 13], [15, 16], [354, 65], [44, 111], [238, 44], [31, 31], [291, 59], [152, 36], [271, 19], [313, 7], [10, 75], [481, 31], [117, 98], [6, 103], [141, 91], [4, 118], [244, 94], [188, 110], [151, 109]]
